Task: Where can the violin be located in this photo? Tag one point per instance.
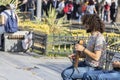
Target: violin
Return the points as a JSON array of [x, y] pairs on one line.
[[78, 55]]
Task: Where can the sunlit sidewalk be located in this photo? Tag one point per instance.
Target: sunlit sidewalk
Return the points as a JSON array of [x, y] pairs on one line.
[[26, 67], [9, 71]]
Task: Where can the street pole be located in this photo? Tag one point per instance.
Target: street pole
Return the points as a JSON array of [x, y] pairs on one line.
[[39, 9]]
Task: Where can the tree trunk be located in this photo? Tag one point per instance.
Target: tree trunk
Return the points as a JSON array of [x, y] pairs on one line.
[[118, 14]]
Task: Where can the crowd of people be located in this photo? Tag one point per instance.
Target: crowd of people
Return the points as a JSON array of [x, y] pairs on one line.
[[75, 9]]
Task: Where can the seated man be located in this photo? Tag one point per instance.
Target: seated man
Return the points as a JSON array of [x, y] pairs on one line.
[[104, 75], [95, 49]]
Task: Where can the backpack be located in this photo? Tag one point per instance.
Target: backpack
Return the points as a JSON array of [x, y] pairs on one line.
[[67, 8], [11, 25]]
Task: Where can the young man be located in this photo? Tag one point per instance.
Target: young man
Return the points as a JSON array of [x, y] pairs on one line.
[[93, 52], [10, 10], [2, 29]]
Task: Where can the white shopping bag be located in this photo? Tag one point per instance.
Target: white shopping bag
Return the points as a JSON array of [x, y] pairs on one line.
[[27, 42]]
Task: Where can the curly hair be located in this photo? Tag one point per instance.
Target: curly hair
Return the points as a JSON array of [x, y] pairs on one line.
[[94, 22]]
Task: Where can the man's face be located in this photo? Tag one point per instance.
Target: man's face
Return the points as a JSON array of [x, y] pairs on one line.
[[88, 30]]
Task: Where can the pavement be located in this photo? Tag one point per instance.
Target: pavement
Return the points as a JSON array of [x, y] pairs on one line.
[[31, 66]]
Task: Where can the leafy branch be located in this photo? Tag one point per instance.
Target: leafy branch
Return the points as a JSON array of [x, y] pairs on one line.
[[117, 42]]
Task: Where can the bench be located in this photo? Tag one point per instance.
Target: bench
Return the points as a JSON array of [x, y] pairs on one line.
[[13, 41]]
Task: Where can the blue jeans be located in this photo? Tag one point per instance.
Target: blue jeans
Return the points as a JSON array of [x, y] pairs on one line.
[[105, 15], [102, 75], [71, 73], [92, 75], [31, 14], [111, 75]]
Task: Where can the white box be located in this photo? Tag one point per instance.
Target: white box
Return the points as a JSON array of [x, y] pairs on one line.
[[13, 44]]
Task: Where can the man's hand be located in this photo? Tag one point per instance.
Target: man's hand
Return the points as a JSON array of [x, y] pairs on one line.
[[79, 47], [116, 64], [72, 56]]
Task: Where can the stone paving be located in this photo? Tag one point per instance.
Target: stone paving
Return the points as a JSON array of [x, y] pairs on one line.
[[29, 66]]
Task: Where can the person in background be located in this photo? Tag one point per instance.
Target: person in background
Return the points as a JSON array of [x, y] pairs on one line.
[[93, 52], [84, 6], [113, 11], [31, 7], [9, 9], [61, 5], [106, 12], [45, 7], [2, 30], [81, 10], [22, 5], [91, 8], [70, 9], [55, 3]]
